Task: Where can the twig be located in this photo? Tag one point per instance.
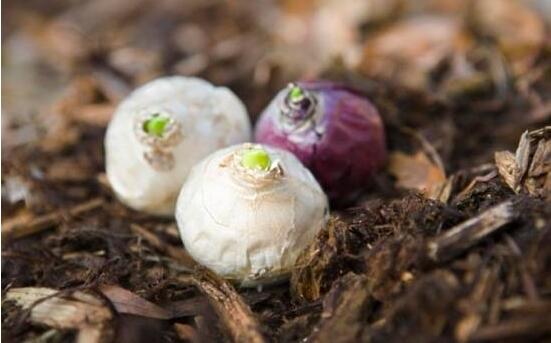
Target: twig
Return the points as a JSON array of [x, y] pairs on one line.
[[470, 232], [234, 313], [179, 254], [18, 228]]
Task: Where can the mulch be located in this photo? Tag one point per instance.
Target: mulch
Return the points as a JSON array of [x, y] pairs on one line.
[[450, 242]]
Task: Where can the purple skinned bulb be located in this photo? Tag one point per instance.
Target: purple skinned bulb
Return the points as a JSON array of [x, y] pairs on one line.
[[335, 131]]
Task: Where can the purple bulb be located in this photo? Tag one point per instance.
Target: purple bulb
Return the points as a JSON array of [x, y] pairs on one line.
[[335, 131]]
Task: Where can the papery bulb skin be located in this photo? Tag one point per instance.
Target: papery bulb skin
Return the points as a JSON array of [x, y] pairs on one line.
[[248, 211], [161, 130], [335, 131]]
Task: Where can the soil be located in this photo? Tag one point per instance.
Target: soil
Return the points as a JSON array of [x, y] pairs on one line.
[[450, 242]]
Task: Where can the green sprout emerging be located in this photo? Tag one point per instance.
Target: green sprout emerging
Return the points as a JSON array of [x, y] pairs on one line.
[[296, 94], [256, 159], [156, 125]]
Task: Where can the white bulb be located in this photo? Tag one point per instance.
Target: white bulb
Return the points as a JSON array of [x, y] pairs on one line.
[[146, 171], [250, 225]]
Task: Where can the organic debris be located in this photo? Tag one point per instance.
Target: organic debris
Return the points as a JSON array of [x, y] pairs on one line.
[[529, 169], [66, 310], [449, 242]]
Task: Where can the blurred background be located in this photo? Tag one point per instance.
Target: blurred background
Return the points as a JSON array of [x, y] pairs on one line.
[[92, 53]]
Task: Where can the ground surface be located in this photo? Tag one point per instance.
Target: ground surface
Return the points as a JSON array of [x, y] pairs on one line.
[[450, 242]]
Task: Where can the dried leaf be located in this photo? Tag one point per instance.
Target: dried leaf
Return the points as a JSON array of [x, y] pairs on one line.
[[417, 172], [76, 310], [125, 301]]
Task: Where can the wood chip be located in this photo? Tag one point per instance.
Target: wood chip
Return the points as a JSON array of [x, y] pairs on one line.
[[72, 310], [529, 169], [506, 166]]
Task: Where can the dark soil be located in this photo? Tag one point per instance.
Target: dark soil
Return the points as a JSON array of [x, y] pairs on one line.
[[388, 269]]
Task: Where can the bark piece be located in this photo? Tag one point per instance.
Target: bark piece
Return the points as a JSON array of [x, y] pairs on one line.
[[233, 312], [470, 232]]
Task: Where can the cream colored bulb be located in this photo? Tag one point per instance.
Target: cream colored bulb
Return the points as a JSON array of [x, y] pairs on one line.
[[161, 130], [247, 211]]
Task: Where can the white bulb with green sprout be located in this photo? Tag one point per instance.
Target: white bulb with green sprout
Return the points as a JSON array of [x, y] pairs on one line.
[[247, 212], [161, 130]]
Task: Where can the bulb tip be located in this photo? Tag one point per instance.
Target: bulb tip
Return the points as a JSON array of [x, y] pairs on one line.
[[257, 158], [156, 125], [296, 94]]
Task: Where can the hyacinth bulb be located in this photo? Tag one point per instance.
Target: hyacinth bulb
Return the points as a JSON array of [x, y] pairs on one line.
[[248, 211], [336, 132], [161, 130]]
